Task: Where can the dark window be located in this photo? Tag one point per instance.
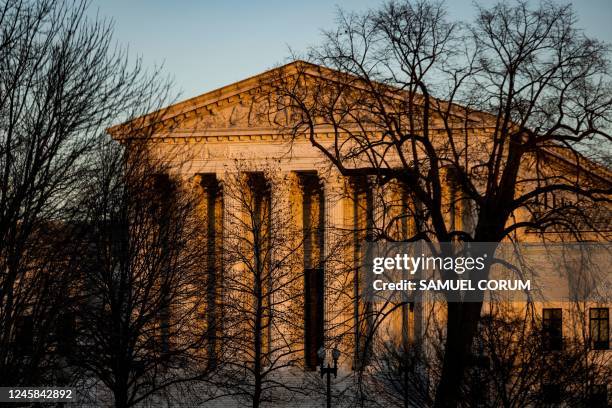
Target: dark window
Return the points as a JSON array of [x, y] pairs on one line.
[[551, 393], [313, 326], [598, 396], [212, 194], [599, 322], [552, 325]]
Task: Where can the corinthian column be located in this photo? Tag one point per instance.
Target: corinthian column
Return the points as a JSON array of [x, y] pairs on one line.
[[338, 306], [230, 233], [284, 245]]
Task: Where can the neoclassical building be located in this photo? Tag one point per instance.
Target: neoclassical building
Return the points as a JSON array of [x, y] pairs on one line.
[[210, 139]]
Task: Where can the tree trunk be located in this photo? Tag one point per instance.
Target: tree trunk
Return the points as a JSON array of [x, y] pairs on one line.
[[258, 343], [461, 328], [257, 392], [121, 397]]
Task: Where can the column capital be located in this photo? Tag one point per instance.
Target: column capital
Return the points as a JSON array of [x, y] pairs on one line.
[[335, 185], [281, 179], [332, 177]]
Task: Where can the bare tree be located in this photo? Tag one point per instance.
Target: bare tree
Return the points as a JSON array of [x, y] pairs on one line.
[[485, 125], [263, 285], [62, 79], [141, 278], [400, 372], [515, 364], [512, 364]]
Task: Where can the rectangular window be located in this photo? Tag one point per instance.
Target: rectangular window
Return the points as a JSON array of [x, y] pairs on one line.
[[314, 322], [552, 325], [599, 325]]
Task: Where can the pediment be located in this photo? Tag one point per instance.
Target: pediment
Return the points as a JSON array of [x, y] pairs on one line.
[[238, 109], [242, 111]]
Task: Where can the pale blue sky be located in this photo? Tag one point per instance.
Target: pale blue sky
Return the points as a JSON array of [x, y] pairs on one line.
[[207, 44]]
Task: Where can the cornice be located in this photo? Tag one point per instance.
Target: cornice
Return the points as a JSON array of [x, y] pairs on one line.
[[236, 134]]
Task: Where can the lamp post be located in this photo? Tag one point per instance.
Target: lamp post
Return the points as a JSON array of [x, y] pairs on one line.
[[329, 370]]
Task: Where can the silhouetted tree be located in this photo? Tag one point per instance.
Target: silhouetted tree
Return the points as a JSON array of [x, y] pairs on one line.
[[139, 319], [510, 365], [263, 284], [488, 126], [62, 80]]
